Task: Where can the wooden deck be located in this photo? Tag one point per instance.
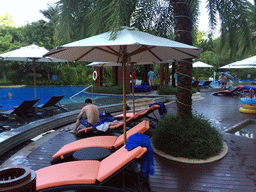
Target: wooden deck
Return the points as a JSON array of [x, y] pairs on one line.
[[235, 172]]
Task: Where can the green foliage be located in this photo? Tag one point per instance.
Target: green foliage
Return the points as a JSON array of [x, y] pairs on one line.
[[193, 138], [6, 20], [167, 90], [72, 76], [108, 89], [4, 83]]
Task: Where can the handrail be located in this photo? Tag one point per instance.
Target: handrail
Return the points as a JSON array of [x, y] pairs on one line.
[[82, 91]]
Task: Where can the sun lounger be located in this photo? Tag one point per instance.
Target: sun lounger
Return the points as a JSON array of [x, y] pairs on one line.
[[235, 91], [23, 112], [108, 142], [206, 84], [51, 106], [113, 173], [116, 126], [143, 113]]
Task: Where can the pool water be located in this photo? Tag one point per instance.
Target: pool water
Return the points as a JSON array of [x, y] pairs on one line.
[[248, 130], [20, 94]]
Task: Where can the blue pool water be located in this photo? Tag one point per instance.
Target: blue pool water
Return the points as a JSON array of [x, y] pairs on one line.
[[44, 93]]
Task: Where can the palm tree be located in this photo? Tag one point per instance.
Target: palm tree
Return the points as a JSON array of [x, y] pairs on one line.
[[158, 17]]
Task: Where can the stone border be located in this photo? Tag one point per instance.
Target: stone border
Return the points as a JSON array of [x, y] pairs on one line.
[[193, 161], [238, 126]]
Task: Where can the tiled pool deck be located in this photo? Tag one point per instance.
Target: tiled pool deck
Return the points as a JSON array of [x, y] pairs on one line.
[[235, 172]]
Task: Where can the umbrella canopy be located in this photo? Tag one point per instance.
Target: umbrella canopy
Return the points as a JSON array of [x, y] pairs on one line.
[[198, 64], [129, 46], [141, 48], [201, 64], [245, 63], [31, 53]]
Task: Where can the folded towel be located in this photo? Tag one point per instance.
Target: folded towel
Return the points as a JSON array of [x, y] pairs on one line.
[[162, 109], [139, 139], [102, 121]]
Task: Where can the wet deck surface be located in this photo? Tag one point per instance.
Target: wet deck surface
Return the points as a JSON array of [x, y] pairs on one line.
[[235, 172]]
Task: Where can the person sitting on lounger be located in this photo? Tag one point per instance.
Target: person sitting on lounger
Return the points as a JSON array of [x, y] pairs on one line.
[[92, 113]]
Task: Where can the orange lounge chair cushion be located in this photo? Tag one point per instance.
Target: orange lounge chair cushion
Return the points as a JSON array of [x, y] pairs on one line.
[[117, 160], [128, 115], [76, 172], [101, 141], [85, 172], [140, 128], [97, 141]]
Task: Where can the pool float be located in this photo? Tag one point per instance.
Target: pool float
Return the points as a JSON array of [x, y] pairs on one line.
[[243, 110], [247, 106], [248, 100]]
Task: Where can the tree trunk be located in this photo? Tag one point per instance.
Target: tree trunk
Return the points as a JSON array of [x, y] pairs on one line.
[[183, 33]]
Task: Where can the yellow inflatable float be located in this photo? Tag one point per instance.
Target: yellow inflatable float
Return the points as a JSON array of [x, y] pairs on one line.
[[247, 110]]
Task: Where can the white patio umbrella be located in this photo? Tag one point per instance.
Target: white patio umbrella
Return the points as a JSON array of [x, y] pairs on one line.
[[198, 64], [31, 53], [129, 46], [245, 63]]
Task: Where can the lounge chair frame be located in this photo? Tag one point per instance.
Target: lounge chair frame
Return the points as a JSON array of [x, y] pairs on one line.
[[126, 174], [23, 112], [115, 174], [51, 105], [65, 153]]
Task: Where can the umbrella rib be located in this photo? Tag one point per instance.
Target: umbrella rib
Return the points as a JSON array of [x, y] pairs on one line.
[[155, 55], [113, 50], [85, 54], [113, 53], [57, 51], [141, 49], [184, 52]]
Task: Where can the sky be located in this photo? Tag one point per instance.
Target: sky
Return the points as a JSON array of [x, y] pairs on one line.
[[27, 11]]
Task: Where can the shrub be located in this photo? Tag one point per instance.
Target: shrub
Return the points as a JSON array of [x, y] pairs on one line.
[[72, 75], [4, 83], [167, 90], [194, 138], [108, 89]]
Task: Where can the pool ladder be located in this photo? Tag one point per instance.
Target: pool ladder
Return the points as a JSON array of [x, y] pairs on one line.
[[81, 92]]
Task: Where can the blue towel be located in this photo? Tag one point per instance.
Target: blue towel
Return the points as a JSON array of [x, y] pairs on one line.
[[162, 109], [139, 139], [102, 115], [105, 119]]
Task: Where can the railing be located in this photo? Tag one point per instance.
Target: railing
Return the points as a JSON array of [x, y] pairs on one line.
[[81, 92]]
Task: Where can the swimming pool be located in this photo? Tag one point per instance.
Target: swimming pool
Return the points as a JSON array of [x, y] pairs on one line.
[[19, 94]]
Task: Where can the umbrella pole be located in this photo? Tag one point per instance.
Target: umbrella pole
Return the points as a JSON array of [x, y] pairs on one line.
[[133, 106], [34, 62], [124, 60]]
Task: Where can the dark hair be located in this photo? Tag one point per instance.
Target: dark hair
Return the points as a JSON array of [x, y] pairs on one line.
[[88, 101]]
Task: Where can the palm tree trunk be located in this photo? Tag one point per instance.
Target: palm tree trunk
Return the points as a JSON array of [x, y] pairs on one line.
[[183, 33]]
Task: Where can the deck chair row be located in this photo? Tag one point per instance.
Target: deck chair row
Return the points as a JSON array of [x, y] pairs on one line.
[[109, 142], [26, 111], [132, 119], [107, 175]]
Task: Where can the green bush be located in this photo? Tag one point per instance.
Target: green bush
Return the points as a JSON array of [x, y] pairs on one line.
[[194, 138], [108, 89], [72, 76], [4, 83], [167, 90]]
